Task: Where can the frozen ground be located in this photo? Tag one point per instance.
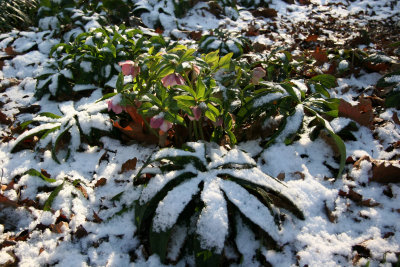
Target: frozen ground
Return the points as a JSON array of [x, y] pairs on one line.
[[349, 221]]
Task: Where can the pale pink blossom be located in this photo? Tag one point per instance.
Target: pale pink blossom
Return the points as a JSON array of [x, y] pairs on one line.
[[173, 79], [196, 112], [218, 122], [158, 122], [257, 74], [116, 108], [129, 68]]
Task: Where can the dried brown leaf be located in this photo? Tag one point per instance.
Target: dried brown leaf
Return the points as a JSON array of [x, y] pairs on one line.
[[385, 171], [101, 182], [129, 165], [362, 113]]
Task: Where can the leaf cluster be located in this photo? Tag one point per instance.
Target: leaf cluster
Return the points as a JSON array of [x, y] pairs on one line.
[[203, 188], [17, 14]]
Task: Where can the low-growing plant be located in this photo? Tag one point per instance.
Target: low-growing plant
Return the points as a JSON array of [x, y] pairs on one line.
[[75, 126], [17, 14], [285, 105], [202, 188], [76, 183], [175, 89], [90, 60], [391, 84], [225, 41]]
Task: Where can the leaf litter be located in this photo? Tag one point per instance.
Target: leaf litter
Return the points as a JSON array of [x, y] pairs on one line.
[[348, 221]]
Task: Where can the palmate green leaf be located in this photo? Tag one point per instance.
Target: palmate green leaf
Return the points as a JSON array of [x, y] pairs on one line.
[[106, 96], [212, 59], [34, 172], [50, 115], [53, 195], [187, 89]]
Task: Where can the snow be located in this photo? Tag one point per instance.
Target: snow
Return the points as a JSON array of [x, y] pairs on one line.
[[308, 165]]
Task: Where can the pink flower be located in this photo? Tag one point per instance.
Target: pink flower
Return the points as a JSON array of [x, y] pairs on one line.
[[218, 122], [159, 122], [172, 79], [196, 112], [129, 68], [257, 74], [117, 108]]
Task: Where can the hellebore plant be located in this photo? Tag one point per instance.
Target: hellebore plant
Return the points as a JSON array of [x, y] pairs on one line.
[[177, 92]]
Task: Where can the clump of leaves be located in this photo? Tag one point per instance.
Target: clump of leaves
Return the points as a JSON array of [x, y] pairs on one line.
[[287, 105], [202, 187], [174, 93], [89, 61], [45, 176], [75, 126], [17, 14], [391, 84], [225, 41]]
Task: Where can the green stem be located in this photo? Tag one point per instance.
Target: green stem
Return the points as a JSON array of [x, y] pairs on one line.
[[200, 122], [196, 134], [148, 126]]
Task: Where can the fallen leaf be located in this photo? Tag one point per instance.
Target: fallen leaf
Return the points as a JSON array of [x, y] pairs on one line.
[[7, 202], [312, 38], [362, 113], [80, 232], [57, 228], [135, 131], [104, 157], [332, 218], [196, 36], [4, 119], [385, 171], [320, 55], [378, 67], [45, 173], [101, 182], [281, 176], [353, 195], [129, 165], [83, 190], [96, 218], [265, 12], [369, 203], [395, 118], [159, 30], [10, 51]]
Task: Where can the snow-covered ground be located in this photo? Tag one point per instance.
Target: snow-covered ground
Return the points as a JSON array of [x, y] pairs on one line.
[[348, 221]]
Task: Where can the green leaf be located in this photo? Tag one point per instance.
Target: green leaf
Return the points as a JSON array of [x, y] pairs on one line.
[[339, 143], [34, 172], [212, 58], [159, 243], [54, 148], [120, 82], [106, 96], [186, 100], [187, 89], [225, 61], [326, 80], [393, 100], [50, 115], [35, 132], [49, 201], [200, 89]]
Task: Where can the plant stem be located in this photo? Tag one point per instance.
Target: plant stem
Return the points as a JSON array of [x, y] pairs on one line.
[[200, 122], [196, 134]]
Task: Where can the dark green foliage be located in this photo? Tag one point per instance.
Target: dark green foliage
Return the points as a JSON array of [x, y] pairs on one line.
[[220, 178], [17, 14]]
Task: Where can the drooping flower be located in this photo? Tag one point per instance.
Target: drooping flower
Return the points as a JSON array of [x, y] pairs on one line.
[[196, 112], [173, 79], [129, 68], [114, 105], [158, 122], [257, 74]]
